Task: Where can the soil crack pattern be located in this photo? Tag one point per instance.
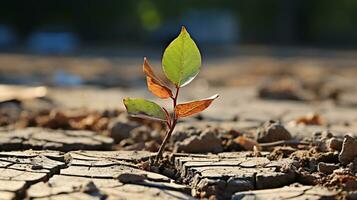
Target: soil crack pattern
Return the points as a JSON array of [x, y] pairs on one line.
[[19, 170], [83, 175], [115, 174], [61, 140], [240, 175]]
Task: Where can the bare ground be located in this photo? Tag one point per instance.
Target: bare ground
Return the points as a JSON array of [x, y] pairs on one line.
[[283, 128]]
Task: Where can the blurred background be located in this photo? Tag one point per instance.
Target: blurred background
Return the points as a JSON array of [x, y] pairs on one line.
[[86, 42], [154, 22]]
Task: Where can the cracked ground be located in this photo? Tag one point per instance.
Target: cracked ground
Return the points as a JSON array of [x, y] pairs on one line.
[[284, 127]]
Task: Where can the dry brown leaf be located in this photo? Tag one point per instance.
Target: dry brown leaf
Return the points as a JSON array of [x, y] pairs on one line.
[[310, 119], [155, 85], [246, 143], [190, 108]]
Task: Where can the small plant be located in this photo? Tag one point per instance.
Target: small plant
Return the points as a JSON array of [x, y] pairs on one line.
[[181, 63]]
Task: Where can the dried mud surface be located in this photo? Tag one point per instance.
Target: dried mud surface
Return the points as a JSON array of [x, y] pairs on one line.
[[276, 132], [281, 150]]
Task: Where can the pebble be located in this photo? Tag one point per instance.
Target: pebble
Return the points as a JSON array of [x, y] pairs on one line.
[[349, 150], [326, 168], [272, 131]]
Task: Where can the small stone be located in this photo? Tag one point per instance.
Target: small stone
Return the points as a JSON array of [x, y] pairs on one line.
[[271, 132], [131, 178], [90, 187], [36, 167], [349, 150], [326, 168], [335, 144], [206, 142]]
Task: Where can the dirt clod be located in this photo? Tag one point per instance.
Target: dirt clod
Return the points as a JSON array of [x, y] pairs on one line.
[[272, 131], [326, 168], [281, 152], [207, 141], [131, 178], [349, 150], [335, 144]]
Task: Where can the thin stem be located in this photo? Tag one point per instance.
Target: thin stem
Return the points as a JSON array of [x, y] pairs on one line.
[[171, 126], [163, 144], [168, 118]]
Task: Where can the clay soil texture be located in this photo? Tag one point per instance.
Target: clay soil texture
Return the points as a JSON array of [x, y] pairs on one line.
[[284, 127]]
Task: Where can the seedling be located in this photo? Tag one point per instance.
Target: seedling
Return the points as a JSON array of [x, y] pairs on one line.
[[181, 63]]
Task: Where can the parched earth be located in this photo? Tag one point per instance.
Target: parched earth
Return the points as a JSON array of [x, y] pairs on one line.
[[115, 175], [293, 136], [276, 151]]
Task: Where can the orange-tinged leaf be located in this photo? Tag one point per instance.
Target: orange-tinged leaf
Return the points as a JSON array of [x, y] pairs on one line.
[[191, 108], [147, 69], [155, 85], [157, 89]]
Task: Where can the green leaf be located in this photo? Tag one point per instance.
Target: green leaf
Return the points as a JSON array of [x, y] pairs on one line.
[[182, 60], [143, 108]]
